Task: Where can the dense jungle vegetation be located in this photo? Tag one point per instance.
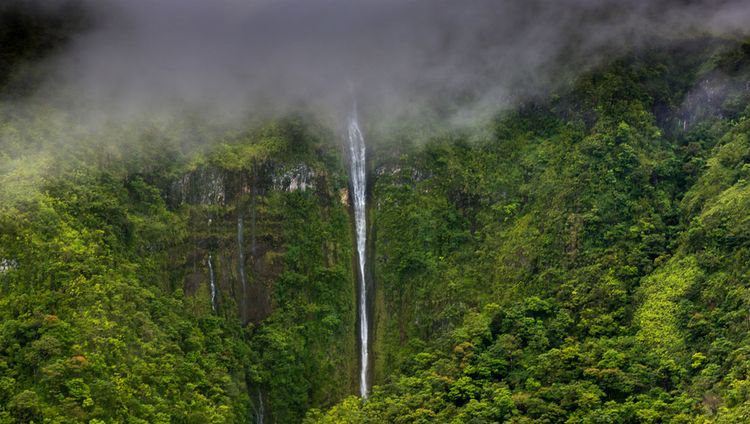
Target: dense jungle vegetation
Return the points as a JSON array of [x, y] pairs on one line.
[[584, 262], [583, 258]]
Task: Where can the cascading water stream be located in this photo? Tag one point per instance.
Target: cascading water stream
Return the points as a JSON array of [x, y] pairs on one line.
[[241, 260], [212, 280], [359, 187], [211, 277], [260, 413]]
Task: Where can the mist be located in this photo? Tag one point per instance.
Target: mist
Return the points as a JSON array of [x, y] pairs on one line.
[[228, 61]]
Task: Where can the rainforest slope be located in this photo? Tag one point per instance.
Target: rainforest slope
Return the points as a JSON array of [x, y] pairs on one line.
[[585, 261], [581, 258]]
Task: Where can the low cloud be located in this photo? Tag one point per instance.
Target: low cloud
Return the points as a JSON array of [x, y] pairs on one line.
[[226, 60]]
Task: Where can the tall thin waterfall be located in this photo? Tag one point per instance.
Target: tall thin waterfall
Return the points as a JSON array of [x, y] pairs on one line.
[[212, 280], [359, 186], [211, 277], [260, 411], [241, 260]]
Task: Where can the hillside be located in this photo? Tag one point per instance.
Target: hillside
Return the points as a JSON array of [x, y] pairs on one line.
[[583, 256]]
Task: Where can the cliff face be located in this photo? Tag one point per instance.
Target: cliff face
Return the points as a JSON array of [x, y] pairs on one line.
[[230, 221], [278, 232], [231, 272]]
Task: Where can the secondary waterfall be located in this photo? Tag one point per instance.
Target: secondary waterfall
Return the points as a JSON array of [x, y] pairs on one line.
[[241, 260], [260, 411], [359, 187], [212, 280]]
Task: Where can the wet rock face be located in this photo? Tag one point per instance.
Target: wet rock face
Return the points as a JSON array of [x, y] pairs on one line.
[[7, 265], [212, 186], [235, 230], [292, 178], [192, 282], [401, 175], [204, 186], [714, 96]]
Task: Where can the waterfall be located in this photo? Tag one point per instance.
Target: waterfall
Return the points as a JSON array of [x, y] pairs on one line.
[[359, 187], [212, 280], [241, 265], [261, 412]]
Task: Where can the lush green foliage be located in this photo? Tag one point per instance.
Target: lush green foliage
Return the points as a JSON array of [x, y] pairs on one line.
[[87, 331], [585, 262], [584, 258], [105, 301]]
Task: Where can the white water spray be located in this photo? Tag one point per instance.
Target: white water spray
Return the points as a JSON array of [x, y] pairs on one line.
[[359, 187]]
